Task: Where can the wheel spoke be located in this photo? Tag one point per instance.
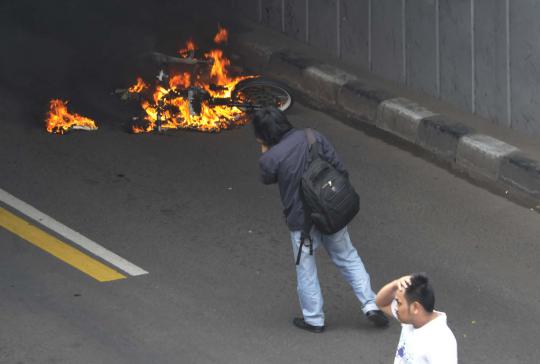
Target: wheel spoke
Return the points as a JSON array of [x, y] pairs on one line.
[[265, 95]]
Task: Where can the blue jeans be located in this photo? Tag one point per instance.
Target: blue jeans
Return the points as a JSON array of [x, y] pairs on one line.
[[345, 257]]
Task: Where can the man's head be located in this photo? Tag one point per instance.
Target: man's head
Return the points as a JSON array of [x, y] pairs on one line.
[[270, 124], [416, 301]]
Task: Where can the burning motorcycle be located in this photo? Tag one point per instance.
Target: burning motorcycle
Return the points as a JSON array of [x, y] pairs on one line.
[[206, 98]]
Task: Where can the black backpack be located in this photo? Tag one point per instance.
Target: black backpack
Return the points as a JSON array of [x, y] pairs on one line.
[[330, 201]]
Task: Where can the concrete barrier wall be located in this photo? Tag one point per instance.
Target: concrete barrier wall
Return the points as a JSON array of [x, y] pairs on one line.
[[480, 55]]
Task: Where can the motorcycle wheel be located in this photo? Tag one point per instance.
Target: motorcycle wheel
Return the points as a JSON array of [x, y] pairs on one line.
[[262, 92]]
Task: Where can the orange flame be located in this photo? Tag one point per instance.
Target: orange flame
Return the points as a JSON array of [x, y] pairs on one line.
[[222, 35], [59, 120], [138, 87], [190, 46], [219, 72], [211, 118], [183, 80]]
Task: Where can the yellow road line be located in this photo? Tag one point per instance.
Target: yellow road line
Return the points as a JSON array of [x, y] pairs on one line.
[[58, 248]]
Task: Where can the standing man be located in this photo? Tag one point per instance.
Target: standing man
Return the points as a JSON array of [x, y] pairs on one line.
[[425, 336], [283, 161]]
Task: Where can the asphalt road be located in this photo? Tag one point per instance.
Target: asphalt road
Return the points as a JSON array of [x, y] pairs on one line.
[[188, 208]]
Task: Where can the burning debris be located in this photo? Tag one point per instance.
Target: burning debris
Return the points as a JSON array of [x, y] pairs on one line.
[[199, 100], [59, 120], [222, 36], [140, 86], [208, 97]]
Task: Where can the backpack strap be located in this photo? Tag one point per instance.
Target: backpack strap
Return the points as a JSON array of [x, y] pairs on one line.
[[313, 145], [305, 239], [305, 236]]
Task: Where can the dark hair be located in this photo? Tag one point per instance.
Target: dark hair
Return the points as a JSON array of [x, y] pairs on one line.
[[421, 291], [270, 124]]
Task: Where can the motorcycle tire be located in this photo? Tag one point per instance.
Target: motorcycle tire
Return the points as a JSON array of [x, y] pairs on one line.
[[262, 92]]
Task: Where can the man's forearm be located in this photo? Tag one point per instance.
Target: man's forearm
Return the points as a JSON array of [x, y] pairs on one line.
[[387, 294]]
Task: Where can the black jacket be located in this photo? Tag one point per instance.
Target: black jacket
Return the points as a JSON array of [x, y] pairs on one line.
[[284, 164]]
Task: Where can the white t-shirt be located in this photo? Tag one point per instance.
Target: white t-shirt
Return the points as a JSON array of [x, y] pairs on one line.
[[433, 343]]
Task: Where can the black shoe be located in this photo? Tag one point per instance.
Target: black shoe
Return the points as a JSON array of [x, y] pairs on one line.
[[300, 323], [377, 317]]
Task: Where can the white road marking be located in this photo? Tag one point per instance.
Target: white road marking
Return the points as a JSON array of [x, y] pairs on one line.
[[71, 235]]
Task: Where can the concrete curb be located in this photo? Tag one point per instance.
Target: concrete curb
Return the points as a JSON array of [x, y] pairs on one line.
[[289, 66], [357, 98], [440, 135], [521, 172], [482, 157], [323, 82], [402, 117]]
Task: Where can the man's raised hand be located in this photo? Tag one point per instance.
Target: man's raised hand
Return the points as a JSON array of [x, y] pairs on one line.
[[403, 282]]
